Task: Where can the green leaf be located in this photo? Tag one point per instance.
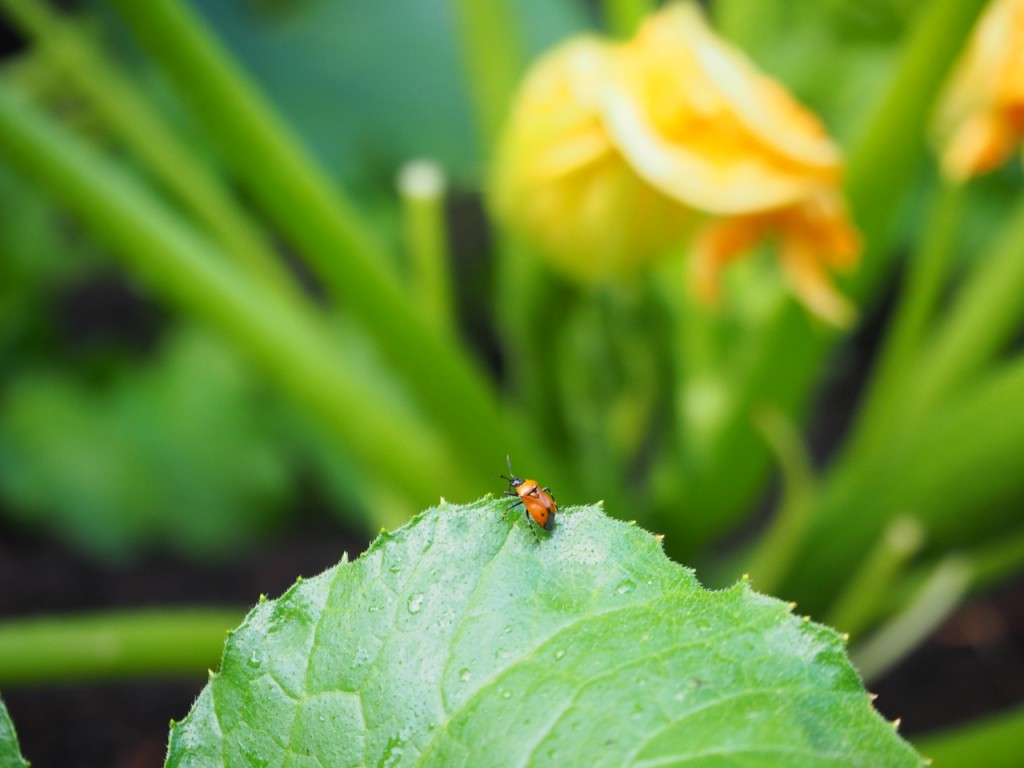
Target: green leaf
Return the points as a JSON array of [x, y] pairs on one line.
[[461, 640], [171, 454], [10, 754]]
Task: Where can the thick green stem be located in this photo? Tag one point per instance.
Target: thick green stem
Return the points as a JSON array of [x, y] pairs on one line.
[[622, 17], [895, 372], [995, 742], [492, 59], [286, 339], [103, 646], [864, 594], [772, 558], [882, 165], [886, 156], [159, 150], [957, 472], [748, 23], [983, 319], [266, 157], [998, 561]]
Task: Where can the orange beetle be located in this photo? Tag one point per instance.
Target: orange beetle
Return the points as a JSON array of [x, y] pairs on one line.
[[538, 503]]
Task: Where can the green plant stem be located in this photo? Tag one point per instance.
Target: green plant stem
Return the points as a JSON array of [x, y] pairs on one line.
[[926, 276], [622, 17], [892, 143], [492, 60], [994, 742], [983, 319], [748, 24], [151, 643], [858, 603], [269, 162], [525, 292], [883, 161], [964, 457], [287, 340], [998, 561], [773, 555], [168, 159], [421, 187], [934, 601], [258, 147]]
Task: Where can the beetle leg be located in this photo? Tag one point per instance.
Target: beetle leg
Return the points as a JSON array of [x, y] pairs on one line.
[[529, 522]]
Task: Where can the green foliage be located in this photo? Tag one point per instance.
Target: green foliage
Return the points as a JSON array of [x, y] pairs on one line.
[[10, 755], [460, 640], [170, 130], [134, 461]]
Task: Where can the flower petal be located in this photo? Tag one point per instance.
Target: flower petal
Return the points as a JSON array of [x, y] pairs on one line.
[[697, 121]]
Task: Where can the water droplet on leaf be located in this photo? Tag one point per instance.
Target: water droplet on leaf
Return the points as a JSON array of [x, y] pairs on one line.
[[415, 602]]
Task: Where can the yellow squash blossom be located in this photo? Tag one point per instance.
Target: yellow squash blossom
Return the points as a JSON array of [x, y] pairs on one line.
[[616, 151], [981, 114]]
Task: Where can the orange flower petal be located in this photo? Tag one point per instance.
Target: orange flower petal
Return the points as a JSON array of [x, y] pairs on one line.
[[980, 119]]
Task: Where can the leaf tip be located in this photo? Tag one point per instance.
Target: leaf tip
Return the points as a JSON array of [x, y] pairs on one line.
[[872, 696], [659, 537], [631, 522], [263, 597], [896, 723], [344, 557]]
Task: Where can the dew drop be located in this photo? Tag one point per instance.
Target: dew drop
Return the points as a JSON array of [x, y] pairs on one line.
[[465, 675], [415, 602], [506, 693], [559, 654], [254, 660], [625, 587], [393, 752]]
